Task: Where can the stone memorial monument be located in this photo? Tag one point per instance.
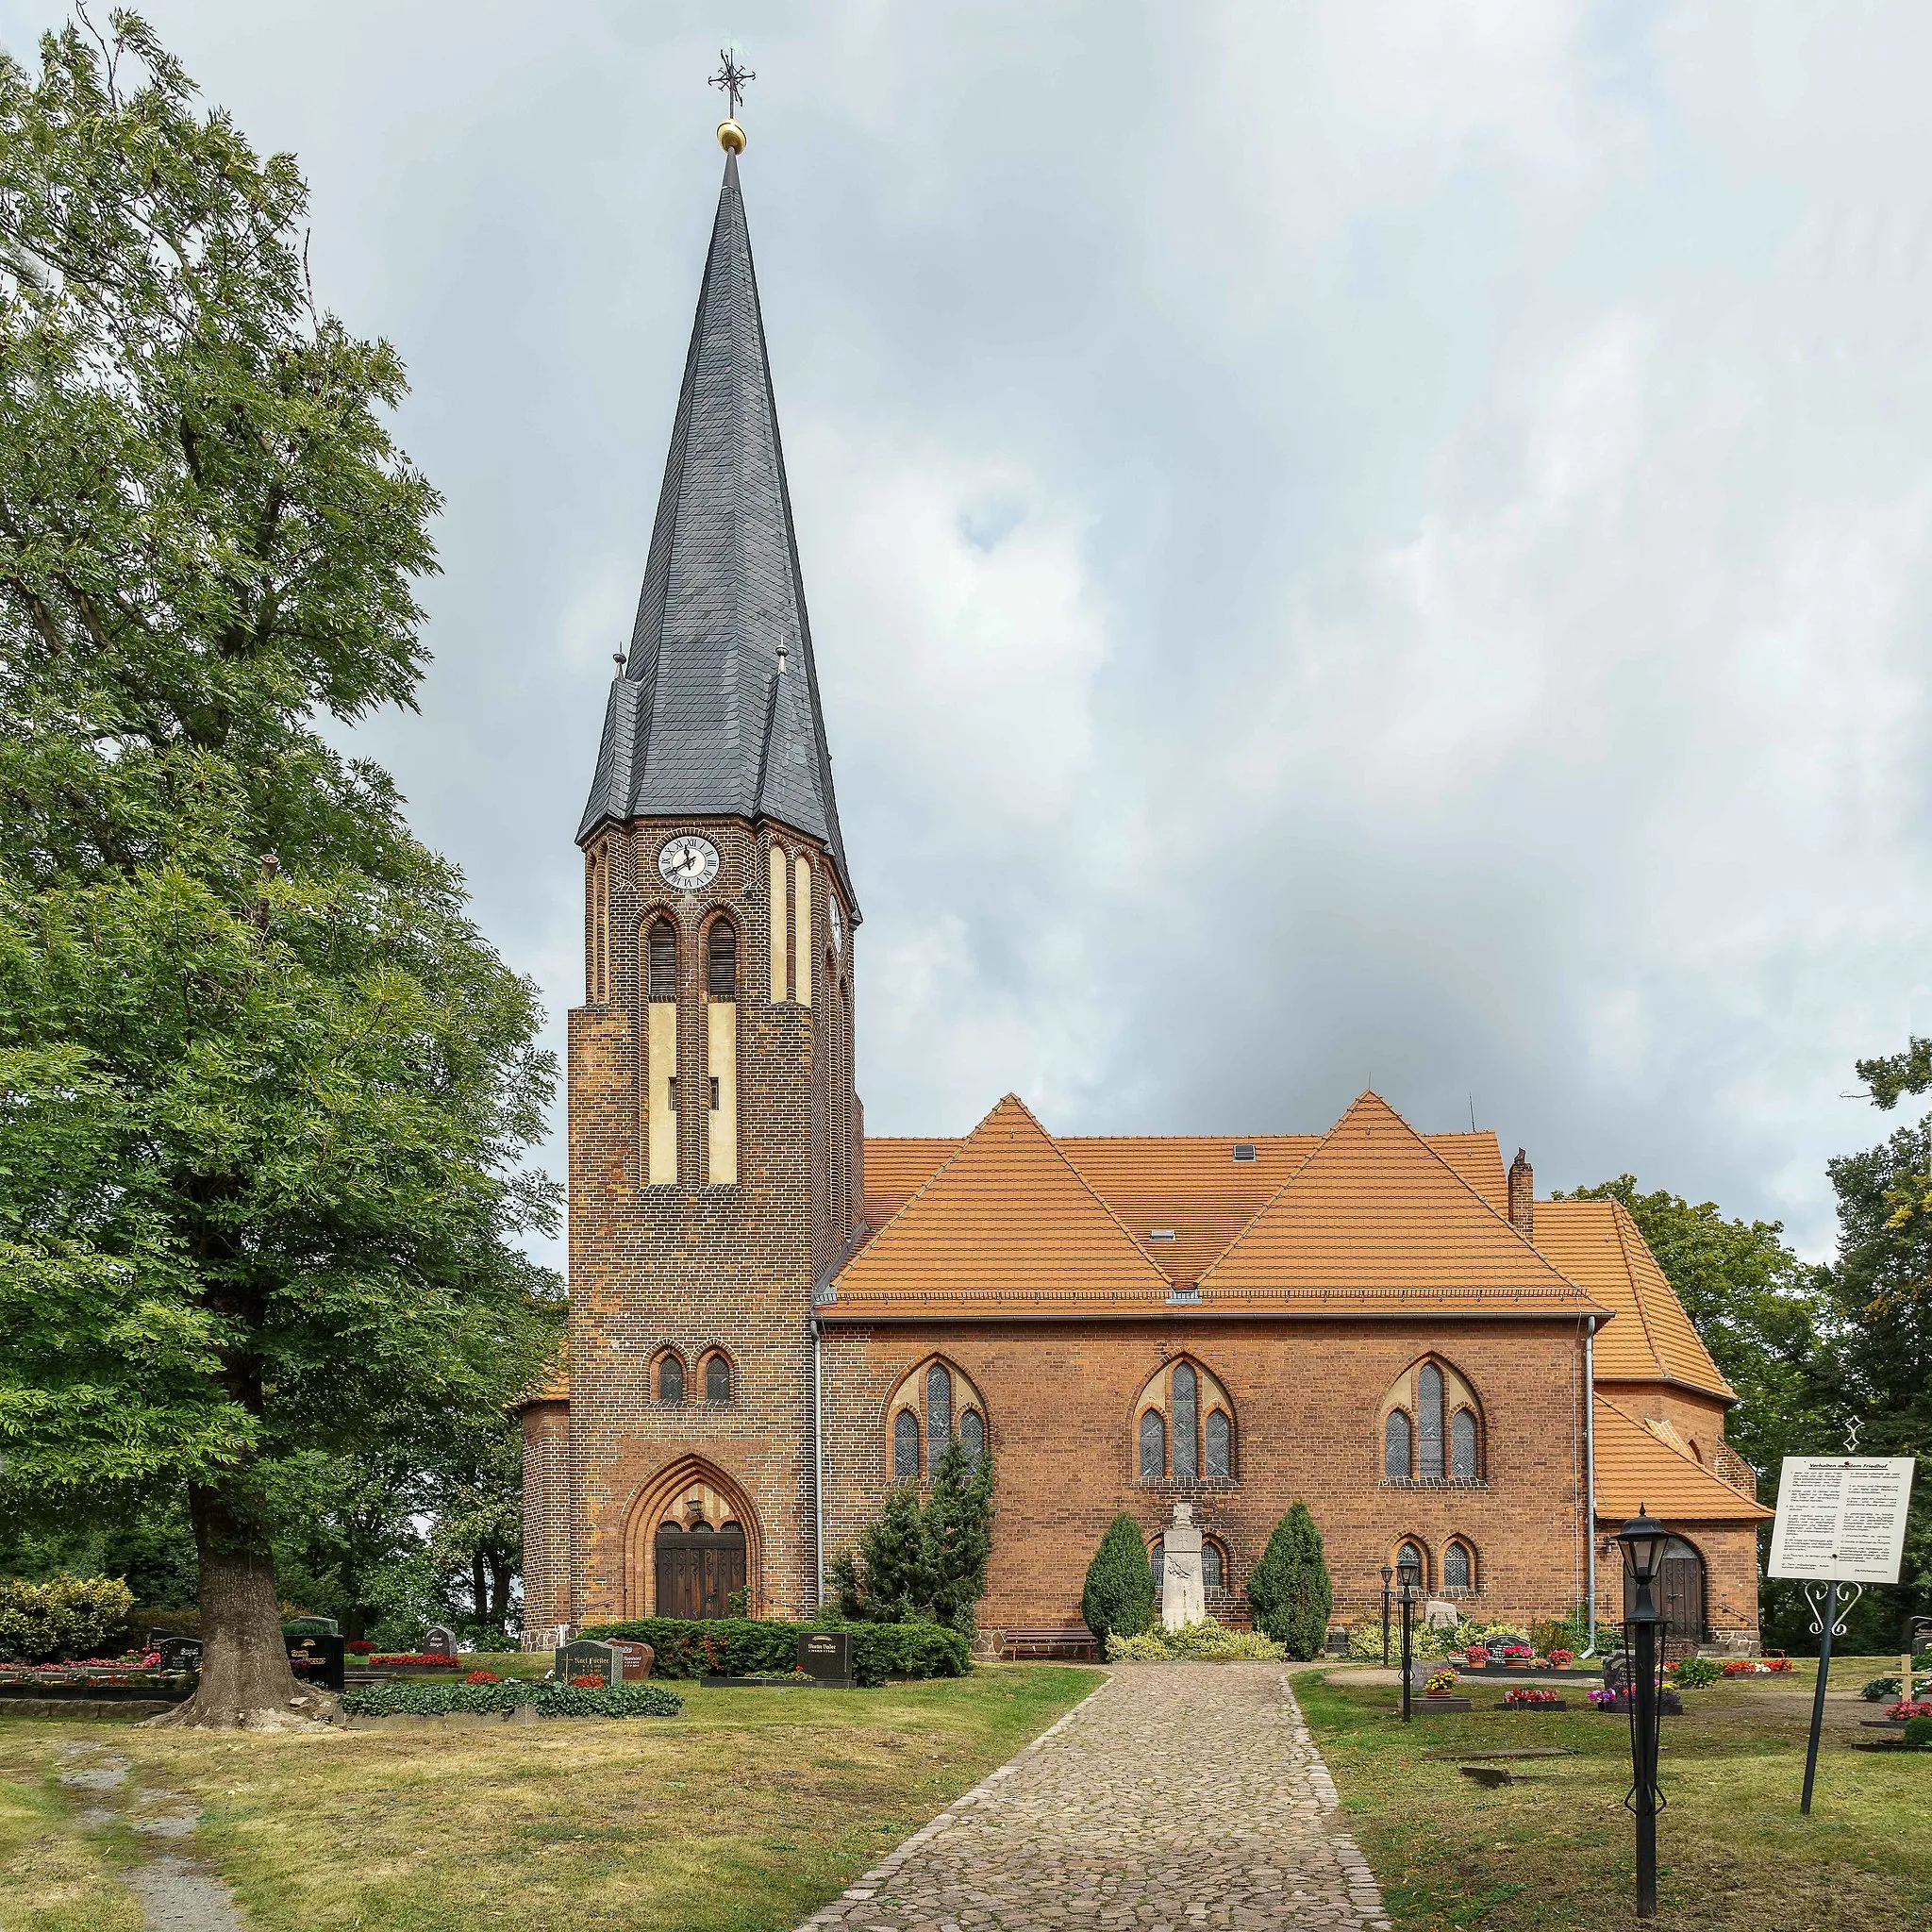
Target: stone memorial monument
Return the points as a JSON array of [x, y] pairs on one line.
[[1183, 1595], [586, 1657], [439, 1641], [826, 1657], [638, 1658]]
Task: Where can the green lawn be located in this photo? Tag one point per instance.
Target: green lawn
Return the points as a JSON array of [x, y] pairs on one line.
[[1555, 1848], [743, 1815]]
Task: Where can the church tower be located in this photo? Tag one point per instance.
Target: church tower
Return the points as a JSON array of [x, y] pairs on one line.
[[715, 1139]]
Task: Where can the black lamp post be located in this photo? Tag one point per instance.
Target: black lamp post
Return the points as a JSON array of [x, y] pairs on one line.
[[1408, 1572], [1643, 1540], [1388, 1578]]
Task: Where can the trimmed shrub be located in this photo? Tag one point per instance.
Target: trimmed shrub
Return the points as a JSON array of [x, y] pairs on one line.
[[1289, 1590], [433, 1697], [1694, 1673], [1206, 1642], [1918, 1733], [65, 1617], [746, 1646], [1119, 1596]]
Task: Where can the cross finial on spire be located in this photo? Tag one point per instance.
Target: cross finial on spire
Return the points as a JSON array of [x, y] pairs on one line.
[[732, 77]]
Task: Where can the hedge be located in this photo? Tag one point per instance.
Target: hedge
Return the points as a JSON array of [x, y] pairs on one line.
[[437, 1697], [743, 1646]]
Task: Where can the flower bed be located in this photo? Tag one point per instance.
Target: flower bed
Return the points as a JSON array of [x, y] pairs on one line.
[[1764, 1667], [439, 1699], [747, 1647], [1903, 1712], [1206, 1642], [1527, 1697], [1693, 1672], [433, 1660], [1612, 1702]]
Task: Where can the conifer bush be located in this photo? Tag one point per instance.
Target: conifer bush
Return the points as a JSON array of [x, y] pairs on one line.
[[1119, 1596], [1289, 1592]]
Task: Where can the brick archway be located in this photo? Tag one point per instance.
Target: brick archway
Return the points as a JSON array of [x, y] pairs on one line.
[[692, 1482]]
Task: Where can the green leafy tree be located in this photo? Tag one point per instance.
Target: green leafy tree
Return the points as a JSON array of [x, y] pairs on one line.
[[1118, 1599], [264, 1088], [1289, 1590]]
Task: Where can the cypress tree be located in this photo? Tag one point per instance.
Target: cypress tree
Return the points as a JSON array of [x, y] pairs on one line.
[[1119, 1596], [1289, 1592]]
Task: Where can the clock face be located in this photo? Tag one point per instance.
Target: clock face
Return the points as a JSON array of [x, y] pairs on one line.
[[837, 925], [688, 863]]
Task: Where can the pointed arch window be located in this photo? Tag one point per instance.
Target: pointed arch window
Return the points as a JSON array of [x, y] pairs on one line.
[[1153, 1447], [1428, 1385], [718, 1379], [1458, 1571], [1420, 1557], [1185, 1396], [1396, 1434], [1220, 1435], [972, 1437], [934, 1405], [661, 960], [939, 1412], [1213, 1566], [906, 1447], [1462, 1446], [670, 1379], [720, 961]]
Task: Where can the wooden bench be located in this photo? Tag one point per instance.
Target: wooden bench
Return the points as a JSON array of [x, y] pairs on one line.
[[1050, 1638]]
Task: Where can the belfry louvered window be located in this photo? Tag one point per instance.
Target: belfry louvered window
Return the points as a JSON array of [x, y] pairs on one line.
[[1186, 1450], [662, 967], [1153, 1447], [906, 1447], [720, 961], [1462, 1462], [1428, 1389], [939, 1413], [1395, 1447]]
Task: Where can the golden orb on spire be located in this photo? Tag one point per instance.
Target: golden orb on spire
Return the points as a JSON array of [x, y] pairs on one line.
[[731, 137]]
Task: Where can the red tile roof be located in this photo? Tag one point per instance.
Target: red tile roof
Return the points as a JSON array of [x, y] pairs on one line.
[[1637, 1469]]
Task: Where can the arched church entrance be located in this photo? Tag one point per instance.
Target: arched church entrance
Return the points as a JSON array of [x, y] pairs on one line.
[[1679, 1595], [692, 1546]]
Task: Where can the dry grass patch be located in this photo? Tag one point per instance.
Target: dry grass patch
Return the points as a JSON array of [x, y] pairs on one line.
[[745, 1815], [1556, 1847]]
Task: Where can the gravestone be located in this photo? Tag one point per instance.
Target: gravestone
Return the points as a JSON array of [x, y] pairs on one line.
[[439, 1641], [1183, 1595], [323, 1653], [1337, 1643], [180, 1653], [638, 1658], [1438, 1614], [310, 1626], [826, 1657], [586, 1657]]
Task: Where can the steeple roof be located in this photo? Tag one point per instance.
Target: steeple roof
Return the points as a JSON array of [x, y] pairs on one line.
[[716, 711]]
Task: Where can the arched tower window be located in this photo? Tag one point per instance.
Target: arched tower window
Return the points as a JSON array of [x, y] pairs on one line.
[[1458, 1570], [1153, 1447], [1396, 1465], [1462, 1446], [661, 960], [720, 961], [718, 1379], [1428, 1384], [906, 1447], [670, 1379]]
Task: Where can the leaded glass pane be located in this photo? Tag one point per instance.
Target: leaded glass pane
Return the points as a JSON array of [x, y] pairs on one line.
[[717, 1379], [906, 1447], [1429, 1399], [972, 1436], [1153, 1447], [1220, 1445], [1409, 1552], [1156, 1560], [1395, 1458], [1462, 1446], [939, 1412], [1186, 1450], [1211, 1564], [1456, 1568], [671, 1379]]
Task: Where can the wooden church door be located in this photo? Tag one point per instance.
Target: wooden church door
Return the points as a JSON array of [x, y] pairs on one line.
[[698, 1569]]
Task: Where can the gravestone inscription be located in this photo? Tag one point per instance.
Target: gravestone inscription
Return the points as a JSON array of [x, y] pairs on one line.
[[638, 1658], [180, 1653], [826, 1657], [318, 1659], [586, 1657], [439, 1641]]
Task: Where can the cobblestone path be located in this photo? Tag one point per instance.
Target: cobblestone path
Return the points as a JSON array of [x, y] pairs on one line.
[[1178, 1795]]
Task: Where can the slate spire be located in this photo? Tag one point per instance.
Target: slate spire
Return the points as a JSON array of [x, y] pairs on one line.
[[716, 710]]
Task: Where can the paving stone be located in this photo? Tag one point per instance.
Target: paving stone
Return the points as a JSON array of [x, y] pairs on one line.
[[1177, 1797]]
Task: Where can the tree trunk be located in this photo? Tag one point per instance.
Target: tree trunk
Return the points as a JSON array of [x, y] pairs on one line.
[[245, 1678], [479, 1588], [500, 1574]]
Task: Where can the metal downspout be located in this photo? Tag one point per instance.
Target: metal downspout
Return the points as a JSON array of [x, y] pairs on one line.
[[1590, 1466], [818, 1459]]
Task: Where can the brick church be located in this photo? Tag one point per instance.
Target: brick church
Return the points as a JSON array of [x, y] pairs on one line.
[[774, 1318]]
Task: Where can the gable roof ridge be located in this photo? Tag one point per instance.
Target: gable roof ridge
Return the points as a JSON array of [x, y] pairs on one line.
[[1255, 1219], [960, 1147], [1620, 1215], [1073, 1167]]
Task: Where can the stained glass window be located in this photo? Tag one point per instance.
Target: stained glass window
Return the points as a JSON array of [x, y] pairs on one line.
[[1210, 1565], [1220, 1445], [1156, 1562], [671, 1379], [1186, 1450], [1410, 1552], [1153, 1447], [1429, 1400], [939, 1412], [905, 1447], [1396, 1451], [973, 1436], [1462, 1446], [1455, 1567]]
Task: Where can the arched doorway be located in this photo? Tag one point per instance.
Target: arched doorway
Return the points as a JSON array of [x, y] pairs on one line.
[[699, 1567], [692, 1542], [1678, 1593]]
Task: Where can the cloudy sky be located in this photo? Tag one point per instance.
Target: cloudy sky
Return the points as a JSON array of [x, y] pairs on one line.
[[1346, 542]]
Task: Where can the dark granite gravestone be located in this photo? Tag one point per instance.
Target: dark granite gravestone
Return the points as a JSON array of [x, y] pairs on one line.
[[1337, 1643], [321, 1655], [638, 1658], [439, 1641], [826, 1657], [585, 1657], [180, 1653]]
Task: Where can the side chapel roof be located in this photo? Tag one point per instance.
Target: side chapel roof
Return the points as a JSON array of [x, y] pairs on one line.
[[1638, 1468]]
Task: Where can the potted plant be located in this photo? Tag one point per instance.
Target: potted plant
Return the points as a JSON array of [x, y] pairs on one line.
[[1531, 1698], [1441, 1683], [1517, 1656], [1477, 1655], [1562, 1660]]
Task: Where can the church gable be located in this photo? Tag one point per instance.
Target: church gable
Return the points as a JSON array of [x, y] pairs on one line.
[[1376, 1219], [1006, 1222]]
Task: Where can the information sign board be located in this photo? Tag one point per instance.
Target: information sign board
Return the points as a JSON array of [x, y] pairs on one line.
[[1842, 1518]]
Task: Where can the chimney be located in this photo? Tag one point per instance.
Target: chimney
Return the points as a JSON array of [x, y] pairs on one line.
[[1523, 1196]]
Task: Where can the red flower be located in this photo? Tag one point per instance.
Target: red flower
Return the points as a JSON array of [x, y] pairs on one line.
[[482, 1677], [588, 1684]]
